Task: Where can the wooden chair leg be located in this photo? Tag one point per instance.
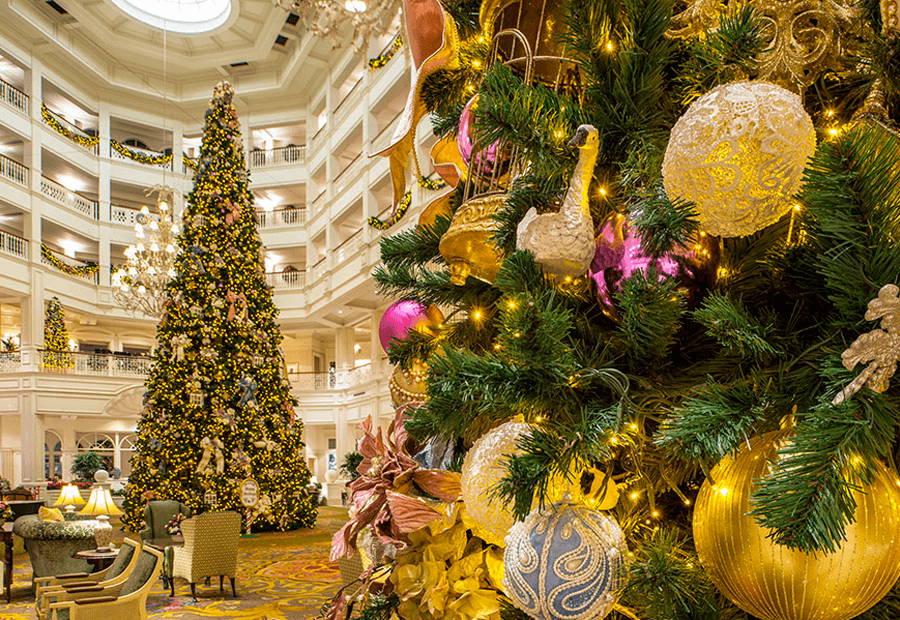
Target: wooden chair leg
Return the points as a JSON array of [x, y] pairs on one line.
[[194, 591], [221, 583], [233, 591]]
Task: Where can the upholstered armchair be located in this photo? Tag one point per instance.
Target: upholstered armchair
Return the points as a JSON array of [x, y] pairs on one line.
[[210, 549], [51, 544], [124, 601], [49, 588], [157, 514]]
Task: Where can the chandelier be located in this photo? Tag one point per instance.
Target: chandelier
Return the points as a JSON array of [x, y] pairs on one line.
[[324, 18], [140, 284]]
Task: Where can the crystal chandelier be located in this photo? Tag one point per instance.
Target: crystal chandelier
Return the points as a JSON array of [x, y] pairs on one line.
[[140, 284], [324, 18]]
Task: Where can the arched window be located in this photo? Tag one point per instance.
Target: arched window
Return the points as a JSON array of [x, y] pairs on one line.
[[99, 444], [52, 455], [126, 450]]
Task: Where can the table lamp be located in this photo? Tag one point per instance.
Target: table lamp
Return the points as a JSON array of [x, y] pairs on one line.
[[69, 497], [100, 504]]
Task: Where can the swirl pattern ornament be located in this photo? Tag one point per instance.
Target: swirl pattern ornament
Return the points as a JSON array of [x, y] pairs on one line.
[[738, 153], [564, 562]]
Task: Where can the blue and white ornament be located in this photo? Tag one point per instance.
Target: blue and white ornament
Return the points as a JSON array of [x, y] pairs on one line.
[[563, 562]]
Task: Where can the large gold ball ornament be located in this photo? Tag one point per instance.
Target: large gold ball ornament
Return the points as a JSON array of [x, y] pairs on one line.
[[738, 153], [773, 582], [466, 246], [408, 386]]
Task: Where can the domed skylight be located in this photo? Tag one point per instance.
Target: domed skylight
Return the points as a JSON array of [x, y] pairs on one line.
[[185, 16]]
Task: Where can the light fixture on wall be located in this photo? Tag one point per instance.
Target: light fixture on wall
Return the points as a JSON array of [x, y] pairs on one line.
[[140, 284], [326, 18]]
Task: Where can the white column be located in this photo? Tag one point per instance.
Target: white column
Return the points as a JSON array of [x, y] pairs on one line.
[[343, 347], [375, 350], [31, 438], [117, 453], [105, 193]]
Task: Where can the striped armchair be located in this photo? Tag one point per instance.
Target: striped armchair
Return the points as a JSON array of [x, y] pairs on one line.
[[210, 549]]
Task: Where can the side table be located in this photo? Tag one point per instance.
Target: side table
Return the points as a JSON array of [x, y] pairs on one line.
[[100, 559], [166, 545], [6, 535]]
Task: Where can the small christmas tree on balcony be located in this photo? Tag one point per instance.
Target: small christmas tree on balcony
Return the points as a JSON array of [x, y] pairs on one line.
[[56, 337], [218, 408]]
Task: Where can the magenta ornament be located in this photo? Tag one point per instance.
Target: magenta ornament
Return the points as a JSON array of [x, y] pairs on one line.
[[620, 254], [405, 315], [488, 155]]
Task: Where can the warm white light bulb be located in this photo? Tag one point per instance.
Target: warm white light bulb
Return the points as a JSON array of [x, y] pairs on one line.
[[170, 249], [163, 205], [174, 229], [154, 225], [142, 289], [154, 247], [151, 270], [172, 273], [132, 271], [355, 6], [139, 247], [145, 210]]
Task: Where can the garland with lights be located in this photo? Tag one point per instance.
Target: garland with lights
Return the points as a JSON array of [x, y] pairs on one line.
[[402, 208], [382, 59], [432, 184], [86, 269], [141, 158], [56, 337], [218, 408], [50, 119], [189, 163]]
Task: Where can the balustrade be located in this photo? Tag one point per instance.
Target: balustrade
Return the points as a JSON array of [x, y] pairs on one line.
[[278, 156], [60, 194], [13, 170], [349, 246], [10, 361], [282, 217], [96, 364], [122, 215], [13, 245], [286, 280], [335, 380], [14, 97]]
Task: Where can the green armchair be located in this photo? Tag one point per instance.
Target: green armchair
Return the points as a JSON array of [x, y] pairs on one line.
[[159, 512], [51, 544]]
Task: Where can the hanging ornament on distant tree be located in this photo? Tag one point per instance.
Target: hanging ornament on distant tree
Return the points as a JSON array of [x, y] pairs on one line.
[[773, 582], [738, 153], [563, 562], [404, 316]]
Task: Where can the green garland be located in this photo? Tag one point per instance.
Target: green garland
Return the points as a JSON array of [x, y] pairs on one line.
[[84, 141], [82, 270], [432, 184], [381, 60], [141, 158], [402, 208], [189, 163]]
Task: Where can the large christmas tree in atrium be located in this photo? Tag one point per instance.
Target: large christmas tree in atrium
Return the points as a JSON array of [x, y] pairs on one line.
[[56, 337], [218, 408], [663, 386]]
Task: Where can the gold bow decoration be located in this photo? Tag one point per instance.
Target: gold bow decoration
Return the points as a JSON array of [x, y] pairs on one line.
[[231, 298], [268, 444], [879, 348], [212, 447], [433, 43], [178, 344]]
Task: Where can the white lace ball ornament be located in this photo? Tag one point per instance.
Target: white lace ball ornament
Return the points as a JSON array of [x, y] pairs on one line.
[[482, 469], [738, 153], [563, 562]]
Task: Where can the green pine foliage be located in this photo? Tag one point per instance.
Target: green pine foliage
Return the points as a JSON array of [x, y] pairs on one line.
[[218, 408], [668, 375], [56, 336]]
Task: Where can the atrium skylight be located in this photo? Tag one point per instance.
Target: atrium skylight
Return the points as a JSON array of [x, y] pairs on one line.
[[184, 16]]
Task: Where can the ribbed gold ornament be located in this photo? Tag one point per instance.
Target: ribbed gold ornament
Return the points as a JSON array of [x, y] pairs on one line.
[[466, 245], [774, 582]]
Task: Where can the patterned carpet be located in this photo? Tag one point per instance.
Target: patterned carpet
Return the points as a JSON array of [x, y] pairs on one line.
[[281, 576]]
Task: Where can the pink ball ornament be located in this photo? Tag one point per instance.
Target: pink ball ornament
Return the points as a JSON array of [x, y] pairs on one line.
[[405, 315], [621, 252], [488, 155]]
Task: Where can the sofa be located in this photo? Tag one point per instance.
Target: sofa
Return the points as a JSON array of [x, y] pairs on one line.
[[51, 544]]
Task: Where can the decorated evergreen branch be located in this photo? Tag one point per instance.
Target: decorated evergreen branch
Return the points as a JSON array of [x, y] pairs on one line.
[[56, 337], [218, 408], [141, 158], [73, 270], [85, 141]]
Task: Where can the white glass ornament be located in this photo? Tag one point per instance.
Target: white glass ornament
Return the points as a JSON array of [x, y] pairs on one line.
[[563, 562], [738, 153]]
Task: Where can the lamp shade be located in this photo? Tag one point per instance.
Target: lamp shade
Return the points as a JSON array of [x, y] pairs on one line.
[[100, 503], [69, 496]]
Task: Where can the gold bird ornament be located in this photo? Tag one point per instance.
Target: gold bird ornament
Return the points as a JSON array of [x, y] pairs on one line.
[[563, 242]]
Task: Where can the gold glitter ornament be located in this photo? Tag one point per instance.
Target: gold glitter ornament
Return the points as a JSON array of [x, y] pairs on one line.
[[773, 582], [408, 386], [738, 153]]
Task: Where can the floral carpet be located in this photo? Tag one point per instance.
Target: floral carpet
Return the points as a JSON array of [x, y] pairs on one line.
[[280, 576]]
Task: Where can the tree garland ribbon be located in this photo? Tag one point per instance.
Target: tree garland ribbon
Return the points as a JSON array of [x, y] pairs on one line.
[[87, 269]]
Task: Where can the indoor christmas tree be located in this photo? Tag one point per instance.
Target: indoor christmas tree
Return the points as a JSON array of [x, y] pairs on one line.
[[669, 277], [218, 408], [56, 337]]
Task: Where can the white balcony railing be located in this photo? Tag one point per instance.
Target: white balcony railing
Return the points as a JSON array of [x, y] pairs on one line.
[[60, 194], [14, 97], [10, 361], [317, 270], [101, 365], [349, 247], [336, 380], [134, 149], [281, 156], [13, 170], [286, 280], [283, 217], [13, 245], [122, 215]]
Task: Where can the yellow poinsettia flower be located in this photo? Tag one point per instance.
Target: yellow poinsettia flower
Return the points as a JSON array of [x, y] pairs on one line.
[[476, 605]]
